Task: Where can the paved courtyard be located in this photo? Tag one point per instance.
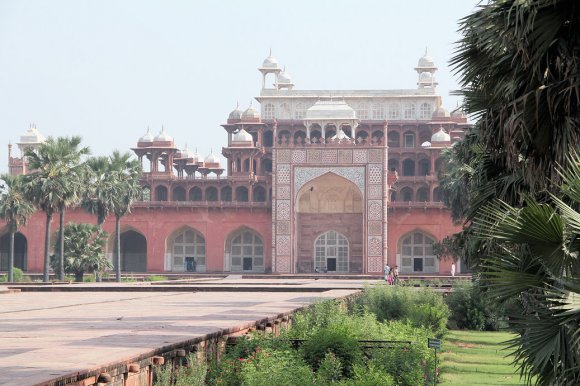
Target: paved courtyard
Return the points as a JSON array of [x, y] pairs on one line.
[[46, 335]]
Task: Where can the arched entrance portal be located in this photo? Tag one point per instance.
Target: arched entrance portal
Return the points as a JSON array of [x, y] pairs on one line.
[[329, 219], [133, 252], [416, 251], [245, 251], [20, 251], [331, 252], [188, 251]]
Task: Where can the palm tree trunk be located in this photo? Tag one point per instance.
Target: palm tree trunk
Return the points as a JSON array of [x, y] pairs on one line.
[[61, 256], [11, 258], [118, 248], [46, 247]]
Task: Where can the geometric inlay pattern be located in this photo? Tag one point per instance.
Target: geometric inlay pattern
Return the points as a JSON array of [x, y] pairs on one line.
[[354, 174], [328, 156], [375, 210], [375, 156], [283, 156], [374, 191], [283, 174], [375, 246], [375, 174], [273, 237], [314, 156], [375, 263], [283, 209], [283, 264], [345, 156], [375, 228], [283, 247], [284, 192], [299, 156], [283, 228], [360, 156]]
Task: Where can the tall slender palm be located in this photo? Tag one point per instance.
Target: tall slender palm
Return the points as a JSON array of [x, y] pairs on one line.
[[125, 174], [98, 199], [15, 209], [57, 182]]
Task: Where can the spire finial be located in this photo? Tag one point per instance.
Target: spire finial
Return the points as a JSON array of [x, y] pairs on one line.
[[237, 104], [270, 51], [425, 50]]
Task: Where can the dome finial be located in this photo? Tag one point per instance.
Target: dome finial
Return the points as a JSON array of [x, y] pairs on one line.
[[425, 50], [270, 51]]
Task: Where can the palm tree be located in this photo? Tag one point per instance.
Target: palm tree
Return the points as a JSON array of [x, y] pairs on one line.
[[99, 195], [538, 264], [15, 209], [125, 174], [57, 182]]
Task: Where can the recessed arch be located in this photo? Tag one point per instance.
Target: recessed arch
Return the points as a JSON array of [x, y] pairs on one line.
[[178, 193], [20, 251], [187, 250], [416, 253], [226, 193], [211, 193], [242, 194], [160, 193], [259, 194], [133, 251], [244, 251], [195, 194], [329, 193]]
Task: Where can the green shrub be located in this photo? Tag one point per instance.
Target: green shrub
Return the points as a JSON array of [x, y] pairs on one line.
[[330, 370], [470, 308], [193, 374], [276, 367], [419, 306], [18, 276], [337, 340], [370, 375]]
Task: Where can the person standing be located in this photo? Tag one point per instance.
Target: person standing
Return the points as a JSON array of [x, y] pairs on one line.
[[453, 269], [387, 270], [396, 275]]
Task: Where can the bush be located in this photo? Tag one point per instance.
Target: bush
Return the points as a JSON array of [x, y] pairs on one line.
[[18, 276], [418, 306], [276, 367], [470, 309], [339, 341], [192, 375], [156, 278]]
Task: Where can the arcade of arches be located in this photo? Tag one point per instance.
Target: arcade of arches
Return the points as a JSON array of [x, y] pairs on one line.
[[329, 219]]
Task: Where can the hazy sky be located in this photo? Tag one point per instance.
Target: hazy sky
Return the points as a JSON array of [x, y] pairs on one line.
[[108, 69]]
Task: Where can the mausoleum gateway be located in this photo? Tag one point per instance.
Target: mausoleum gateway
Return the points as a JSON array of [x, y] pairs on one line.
[[321, 180]]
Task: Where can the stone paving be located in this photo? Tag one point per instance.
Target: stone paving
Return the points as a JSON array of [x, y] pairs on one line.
[[46, 335]]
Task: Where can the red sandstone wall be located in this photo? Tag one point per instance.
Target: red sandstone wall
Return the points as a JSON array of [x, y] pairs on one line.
[[434, 222], [157, 225]]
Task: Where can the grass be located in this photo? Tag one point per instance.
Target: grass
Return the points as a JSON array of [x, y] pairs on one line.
[[477, 358]]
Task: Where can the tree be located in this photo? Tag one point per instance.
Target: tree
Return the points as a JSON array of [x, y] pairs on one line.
[[84, 245], [538, 264], [519, 63], [125, 174], [56, 182], [98, 199], [15, 209]]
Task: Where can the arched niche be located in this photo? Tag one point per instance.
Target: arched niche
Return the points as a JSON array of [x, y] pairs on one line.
[[20, 251], [329, 193], [187, 250], [244, 251]]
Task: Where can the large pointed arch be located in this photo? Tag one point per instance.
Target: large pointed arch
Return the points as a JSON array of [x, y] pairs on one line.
[[133, 249], [415, 253], [244, 251], [185, 249]]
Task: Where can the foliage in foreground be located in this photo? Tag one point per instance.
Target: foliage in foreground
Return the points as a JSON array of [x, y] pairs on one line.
[[419, 307], [83, 246], [471, 308], [330, 355]]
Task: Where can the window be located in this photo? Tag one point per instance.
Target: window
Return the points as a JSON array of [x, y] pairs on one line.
[[408, 167], [188, 252], [285, 112], [269, 111], [425, 111], [299, 111], [416, 251], [378, 111], [247, 252], [331, 252], [394, 111], [178, 194], [409, 111], [362, 111], [409, 140]]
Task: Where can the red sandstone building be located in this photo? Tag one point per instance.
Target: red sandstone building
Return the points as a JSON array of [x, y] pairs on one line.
[[321, 180]]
